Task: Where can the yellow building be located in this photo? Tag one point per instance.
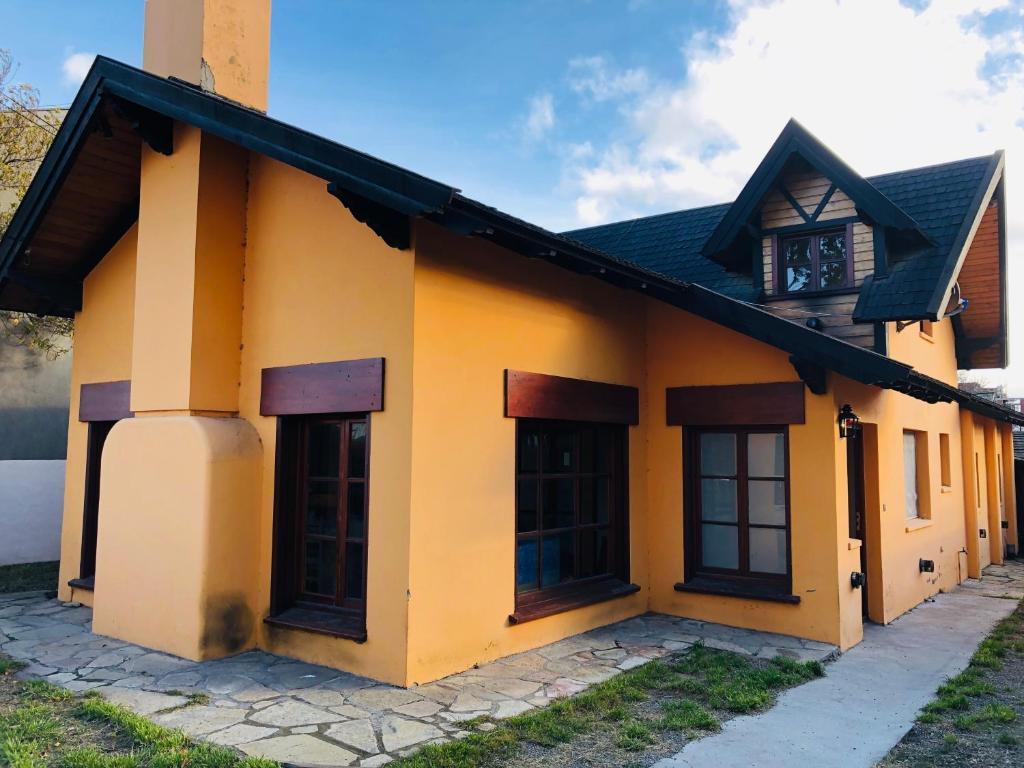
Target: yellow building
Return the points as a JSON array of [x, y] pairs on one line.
[[328, 407]]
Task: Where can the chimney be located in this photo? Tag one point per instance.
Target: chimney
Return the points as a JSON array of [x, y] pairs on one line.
[[221, 45]]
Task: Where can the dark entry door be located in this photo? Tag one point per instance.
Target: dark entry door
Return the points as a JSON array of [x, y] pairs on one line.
[[858, 529], [98, 431]]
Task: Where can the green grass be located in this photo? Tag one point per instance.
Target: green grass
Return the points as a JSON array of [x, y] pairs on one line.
[[990, 714], [27, 577], [687, 716], [43, 726], [634, 736], [10, 665], [690, 685]]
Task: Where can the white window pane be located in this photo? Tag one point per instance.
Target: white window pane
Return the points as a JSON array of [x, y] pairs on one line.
[[719, 546], [766, 455], [910, 474], [717, 454], [767, 500], [767, 550], [718, 500]]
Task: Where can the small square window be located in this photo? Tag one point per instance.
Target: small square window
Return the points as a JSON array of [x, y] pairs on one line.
[[945, 468], [817, 262]]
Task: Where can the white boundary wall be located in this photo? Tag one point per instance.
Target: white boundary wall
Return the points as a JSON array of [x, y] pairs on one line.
[[31, 506]]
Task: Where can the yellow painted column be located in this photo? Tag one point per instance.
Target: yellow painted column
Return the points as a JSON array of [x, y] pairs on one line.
[[179, 498], [971, 501], [993, 470], [1009, 489]]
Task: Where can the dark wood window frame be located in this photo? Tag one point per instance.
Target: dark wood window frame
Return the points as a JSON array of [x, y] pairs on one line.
[[813, 234], [577, 592], [340, 614], [739, 582]]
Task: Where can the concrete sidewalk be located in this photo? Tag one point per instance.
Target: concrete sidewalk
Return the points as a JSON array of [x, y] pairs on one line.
[[869, 698]]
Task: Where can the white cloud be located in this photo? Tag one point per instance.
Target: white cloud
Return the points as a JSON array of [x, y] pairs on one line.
[[540, 118], [886, 86], [76, 67], [592, 77]]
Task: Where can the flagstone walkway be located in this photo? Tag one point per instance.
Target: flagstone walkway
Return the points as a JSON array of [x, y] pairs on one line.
[[300, 713]]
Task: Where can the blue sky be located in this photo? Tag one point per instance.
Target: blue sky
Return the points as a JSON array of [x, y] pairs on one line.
[[443, 88], [576, 112]]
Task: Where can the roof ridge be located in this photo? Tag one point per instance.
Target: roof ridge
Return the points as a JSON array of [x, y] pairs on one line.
[[870, 179]]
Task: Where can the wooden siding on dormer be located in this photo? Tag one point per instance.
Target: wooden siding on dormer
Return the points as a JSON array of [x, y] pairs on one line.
[[807, 189], [834, 310]]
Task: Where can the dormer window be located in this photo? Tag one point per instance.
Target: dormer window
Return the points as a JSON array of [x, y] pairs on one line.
[[815, 262]]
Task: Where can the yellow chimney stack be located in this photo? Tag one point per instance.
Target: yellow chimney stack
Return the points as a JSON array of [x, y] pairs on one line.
[[221, 45]]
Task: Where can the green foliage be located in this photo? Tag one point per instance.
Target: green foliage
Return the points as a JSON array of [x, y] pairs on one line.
[[90, 757], [687, 716], [45, 691], [141, 731], [25, 577], [26, 131], [990, 714], [634, 736], [10, 665], [718, 679], [477, 749]]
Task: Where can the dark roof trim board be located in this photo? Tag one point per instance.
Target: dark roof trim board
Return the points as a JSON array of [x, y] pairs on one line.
[[795, 139], [391, 188], [957, 254]]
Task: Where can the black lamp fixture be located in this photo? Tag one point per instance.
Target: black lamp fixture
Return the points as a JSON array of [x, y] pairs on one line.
[[849, 422]]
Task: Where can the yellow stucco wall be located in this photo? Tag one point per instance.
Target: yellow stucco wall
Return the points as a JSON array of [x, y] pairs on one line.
[[449, 317], [319, 287], [478, 312], [176, 553], [103, 352], [684, 350]]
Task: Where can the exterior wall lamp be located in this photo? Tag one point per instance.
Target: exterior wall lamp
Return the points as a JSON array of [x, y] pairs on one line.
[[849, 422]]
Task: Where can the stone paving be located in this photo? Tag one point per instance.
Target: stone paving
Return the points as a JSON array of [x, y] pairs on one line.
[[300, 713]]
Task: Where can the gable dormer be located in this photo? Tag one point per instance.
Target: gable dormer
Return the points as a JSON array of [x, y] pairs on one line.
[[816, 252], [815, 236]]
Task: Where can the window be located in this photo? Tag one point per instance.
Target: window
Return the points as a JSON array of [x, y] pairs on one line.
[[738, 521], [944, 465], [571, 521], [321, 535], [910, 505], [925, 328], [815, 262], [916, 496]]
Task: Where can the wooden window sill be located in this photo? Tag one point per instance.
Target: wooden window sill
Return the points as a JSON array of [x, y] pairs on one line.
[[346, 625], [926, 337], [549, 602], [918, 523], [88, 583], [852, 544], [946, 489], [705, 585]]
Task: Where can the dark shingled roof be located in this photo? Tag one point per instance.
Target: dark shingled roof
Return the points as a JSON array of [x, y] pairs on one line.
[[938, 198]]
